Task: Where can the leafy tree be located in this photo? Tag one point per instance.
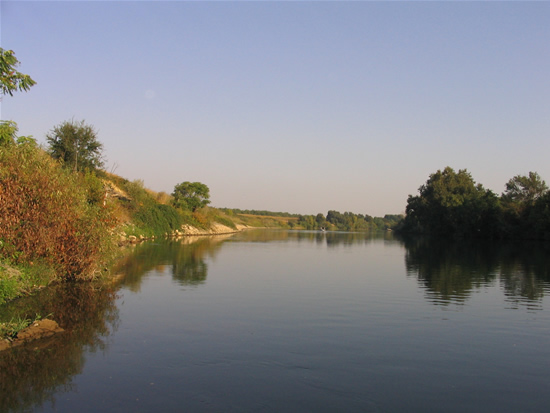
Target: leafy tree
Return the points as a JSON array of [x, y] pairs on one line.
[[191, 195], [451, 203], [10, 79], [539, 217], [76, 145], [321, 221], [523, 190]]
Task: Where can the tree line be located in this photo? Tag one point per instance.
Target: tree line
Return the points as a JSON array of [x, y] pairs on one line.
[[452, 204], [348, 221]]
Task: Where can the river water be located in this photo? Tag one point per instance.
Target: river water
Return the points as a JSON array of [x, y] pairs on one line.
[[272, 321]]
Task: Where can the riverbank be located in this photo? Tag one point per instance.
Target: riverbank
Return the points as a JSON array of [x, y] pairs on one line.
[[37, 330], [185, 231]]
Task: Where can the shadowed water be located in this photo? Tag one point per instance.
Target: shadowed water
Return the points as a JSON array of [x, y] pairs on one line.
[[303, 321]]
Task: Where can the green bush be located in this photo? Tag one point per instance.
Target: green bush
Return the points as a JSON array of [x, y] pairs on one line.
[[157, 219], [225, 221]]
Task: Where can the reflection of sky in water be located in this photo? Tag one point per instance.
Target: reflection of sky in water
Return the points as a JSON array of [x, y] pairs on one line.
[[297, 323]]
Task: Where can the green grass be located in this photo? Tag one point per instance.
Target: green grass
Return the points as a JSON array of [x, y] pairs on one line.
[[23, 279], [11, 328]]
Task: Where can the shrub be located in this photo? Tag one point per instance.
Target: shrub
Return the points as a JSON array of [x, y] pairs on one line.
[[157, 219], [225, 221], [50, 215]]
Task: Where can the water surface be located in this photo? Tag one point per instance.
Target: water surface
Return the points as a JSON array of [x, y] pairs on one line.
[[304, 321]]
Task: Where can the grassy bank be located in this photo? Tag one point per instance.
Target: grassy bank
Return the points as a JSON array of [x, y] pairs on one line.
[[54, 225], [58, 225]]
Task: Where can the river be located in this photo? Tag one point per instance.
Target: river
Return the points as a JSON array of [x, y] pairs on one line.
[[272, 321]]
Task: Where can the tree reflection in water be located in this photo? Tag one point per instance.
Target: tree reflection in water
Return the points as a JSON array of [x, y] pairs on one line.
[[451, 270], [31, 374], [186, 258]]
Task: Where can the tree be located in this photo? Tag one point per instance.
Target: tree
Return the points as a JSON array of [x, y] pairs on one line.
[[321, 221], [523, 191], [451, 203], [191, 195], [76, 145], [10, 79]]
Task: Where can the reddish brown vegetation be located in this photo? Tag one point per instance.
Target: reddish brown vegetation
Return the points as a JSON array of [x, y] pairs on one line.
[[47, 214]]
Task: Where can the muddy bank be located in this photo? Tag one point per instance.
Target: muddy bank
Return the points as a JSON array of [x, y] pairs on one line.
[[37, 330]]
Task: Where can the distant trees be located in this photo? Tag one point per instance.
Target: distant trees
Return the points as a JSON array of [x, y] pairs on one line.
[[451, 203], [10, 79], [191, 196], [76, 145], [348, 221]]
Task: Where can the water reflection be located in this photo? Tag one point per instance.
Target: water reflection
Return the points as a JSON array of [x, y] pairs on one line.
[[450, 271], [31, 374], [331, 239], [186, 259]]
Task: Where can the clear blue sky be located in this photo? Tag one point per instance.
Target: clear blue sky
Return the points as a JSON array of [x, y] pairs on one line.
[[292, 106]]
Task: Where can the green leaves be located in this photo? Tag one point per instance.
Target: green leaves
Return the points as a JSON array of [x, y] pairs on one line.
[[450, 203], [76, 145], [10, 79], [525, 190], [191, 195]]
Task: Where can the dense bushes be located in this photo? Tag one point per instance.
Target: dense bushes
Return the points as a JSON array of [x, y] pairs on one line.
[[51, 216], [157, 219]]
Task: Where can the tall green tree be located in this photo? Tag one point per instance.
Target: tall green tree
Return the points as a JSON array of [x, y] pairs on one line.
[[76, 145], [452, 203], [191, 195], [523, 191], [10, 79]]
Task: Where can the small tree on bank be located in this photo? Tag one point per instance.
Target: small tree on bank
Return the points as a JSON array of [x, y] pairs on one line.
[[76, 145], [191, 196]]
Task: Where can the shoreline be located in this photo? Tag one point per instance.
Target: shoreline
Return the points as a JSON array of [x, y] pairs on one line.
[[186, 231]]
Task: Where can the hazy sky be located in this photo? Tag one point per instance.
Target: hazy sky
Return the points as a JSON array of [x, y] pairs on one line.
[[292, 106]]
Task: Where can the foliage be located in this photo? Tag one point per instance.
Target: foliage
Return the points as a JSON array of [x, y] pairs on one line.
[[452, 204], [8, 134], [22, 279], [76, 145], [148, 216], [523, 191], [538, 217], [10, 328], [157, 219], [237, 211], [225, 221], [46, 215], [191, 195], [10, 79]]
